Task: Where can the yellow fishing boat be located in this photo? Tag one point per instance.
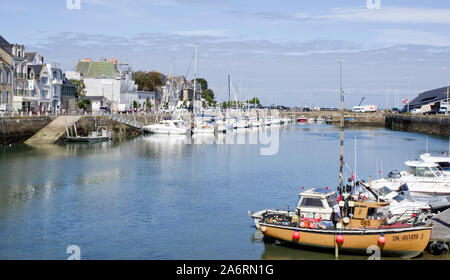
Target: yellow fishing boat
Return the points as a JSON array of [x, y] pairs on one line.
[[350, 223]]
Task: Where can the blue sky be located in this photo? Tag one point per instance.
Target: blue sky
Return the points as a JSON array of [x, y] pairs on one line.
[[284, 52]]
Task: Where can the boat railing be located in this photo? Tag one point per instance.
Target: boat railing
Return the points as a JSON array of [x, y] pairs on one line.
[[410, 216]]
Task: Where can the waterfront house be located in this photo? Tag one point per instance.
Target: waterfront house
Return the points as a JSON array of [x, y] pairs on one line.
[[38, 98], [15, 54], [68, 96], [113, 81], [5, 82], [56, 83]]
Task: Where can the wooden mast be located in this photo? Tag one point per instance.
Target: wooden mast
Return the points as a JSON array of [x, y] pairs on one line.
[[341, 160]]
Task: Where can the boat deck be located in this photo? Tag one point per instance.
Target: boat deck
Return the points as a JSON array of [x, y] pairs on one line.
[[441, 227]]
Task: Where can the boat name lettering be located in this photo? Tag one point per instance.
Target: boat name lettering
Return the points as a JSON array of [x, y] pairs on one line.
[[405, 237]]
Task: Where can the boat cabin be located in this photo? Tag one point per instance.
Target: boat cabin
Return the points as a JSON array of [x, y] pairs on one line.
[[443, 162], [317, 204], [424, 169]]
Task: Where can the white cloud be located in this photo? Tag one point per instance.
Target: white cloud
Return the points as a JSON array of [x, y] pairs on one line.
[[219, 33], [412, 37], [387, 14]]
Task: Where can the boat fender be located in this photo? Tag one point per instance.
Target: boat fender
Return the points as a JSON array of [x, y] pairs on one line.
[[381, 239], [302, 224], [438, 248], [263, 229], [296, 235], [339, 238]]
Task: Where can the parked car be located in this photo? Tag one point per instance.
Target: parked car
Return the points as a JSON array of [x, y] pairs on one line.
[[105, 110]]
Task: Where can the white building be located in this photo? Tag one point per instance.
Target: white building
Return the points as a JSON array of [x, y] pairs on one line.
[[56, 83]]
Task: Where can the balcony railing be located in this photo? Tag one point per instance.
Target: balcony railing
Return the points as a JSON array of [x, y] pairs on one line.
[[20, 76], [20, 92]]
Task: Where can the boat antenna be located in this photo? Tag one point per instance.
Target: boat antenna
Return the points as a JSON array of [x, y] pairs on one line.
[[341, 160]]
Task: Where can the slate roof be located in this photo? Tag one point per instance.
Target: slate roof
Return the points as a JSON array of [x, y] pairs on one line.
[[431, 96], [36, 68], [5, 45], [30, 56]]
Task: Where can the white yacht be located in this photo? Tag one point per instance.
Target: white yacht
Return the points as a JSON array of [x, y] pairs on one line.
[[240, 123], [443, 162], [203, 127], [167, 127], [423, 179]]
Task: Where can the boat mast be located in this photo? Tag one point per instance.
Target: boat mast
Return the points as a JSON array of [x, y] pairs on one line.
[[229, 94], [195, 79], [341, 161]]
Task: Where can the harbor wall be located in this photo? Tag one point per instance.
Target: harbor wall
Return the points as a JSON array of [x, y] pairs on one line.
[[15, 130], [90, 123], [352, 118], [432, 124]]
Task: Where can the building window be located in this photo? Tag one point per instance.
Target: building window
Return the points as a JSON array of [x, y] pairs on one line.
[[45, 94], [44, 80]]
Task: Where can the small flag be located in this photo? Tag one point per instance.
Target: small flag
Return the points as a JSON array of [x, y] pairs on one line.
[[405, 101], [353, 177]]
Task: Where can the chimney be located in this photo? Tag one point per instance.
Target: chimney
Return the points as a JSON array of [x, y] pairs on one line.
[[113, 60]]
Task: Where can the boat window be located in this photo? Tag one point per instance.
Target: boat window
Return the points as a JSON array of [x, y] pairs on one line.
[[377, 213], [332, 200], [436, 171], [398, 198], [422, 171], [444, 165], [383, 191], [311, 202]]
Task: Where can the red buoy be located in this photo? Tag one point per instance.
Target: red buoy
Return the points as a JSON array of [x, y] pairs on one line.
[[296, 235], [382, 239], [340, 238]]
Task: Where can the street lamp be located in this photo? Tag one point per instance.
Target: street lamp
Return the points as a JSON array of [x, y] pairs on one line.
[[448, 85], [409, 89]]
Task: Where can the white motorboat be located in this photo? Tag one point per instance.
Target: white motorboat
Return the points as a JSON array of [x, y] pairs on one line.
[[285, 121], [240, 124], [254, 123], [221, 126], [167, 127], [423, 179], [443, 162], [267, 121], [320, 120], [275, 121], [203, 127]]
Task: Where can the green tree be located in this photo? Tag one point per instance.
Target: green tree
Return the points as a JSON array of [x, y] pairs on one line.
[[83, 104], [203, 83], [208, 95], [80, 88], [148, 103], [135, 104], [148, 81], [254, 100]]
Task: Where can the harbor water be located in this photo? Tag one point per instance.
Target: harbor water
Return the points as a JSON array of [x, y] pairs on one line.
[[166, 197]]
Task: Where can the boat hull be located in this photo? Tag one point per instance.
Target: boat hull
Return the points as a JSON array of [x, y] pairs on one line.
[[400, 242]]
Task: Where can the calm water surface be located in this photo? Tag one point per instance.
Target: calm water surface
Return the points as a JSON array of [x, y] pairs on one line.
[[156, 197]]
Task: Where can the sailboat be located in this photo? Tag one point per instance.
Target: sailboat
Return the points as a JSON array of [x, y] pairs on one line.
[[200, 126], [349, 223]]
